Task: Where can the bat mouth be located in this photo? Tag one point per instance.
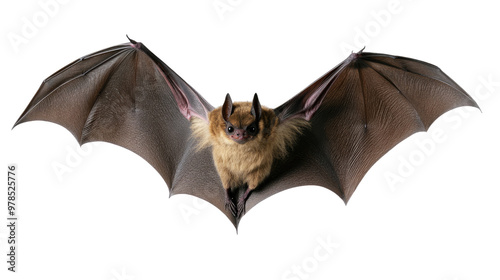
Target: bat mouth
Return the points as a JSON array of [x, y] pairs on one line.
[[240, 139]]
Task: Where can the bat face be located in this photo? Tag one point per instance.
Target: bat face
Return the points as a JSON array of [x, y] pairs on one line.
[[241, 125], [241, 120]]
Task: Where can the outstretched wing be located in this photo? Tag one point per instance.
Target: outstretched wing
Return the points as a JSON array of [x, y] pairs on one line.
[[127, 96], [358, 111]]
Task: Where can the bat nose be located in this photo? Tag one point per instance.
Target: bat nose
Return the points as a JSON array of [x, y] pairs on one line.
[[241, 133]]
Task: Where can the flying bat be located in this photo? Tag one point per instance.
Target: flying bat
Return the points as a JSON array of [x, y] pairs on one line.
[[236, 155]]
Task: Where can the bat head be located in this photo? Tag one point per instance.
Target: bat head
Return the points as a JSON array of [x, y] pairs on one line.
[[241, 119]]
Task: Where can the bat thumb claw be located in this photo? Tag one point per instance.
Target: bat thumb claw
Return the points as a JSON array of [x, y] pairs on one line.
[[131, 40]]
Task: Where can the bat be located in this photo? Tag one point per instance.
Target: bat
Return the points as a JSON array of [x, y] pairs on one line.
[[236, 155]]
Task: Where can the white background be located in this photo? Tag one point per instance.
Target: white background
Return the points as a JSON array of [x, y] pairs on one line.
[[109, 216]]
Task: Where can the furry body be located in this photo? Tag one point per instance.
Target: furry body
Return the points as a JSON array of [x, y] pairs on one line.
[[247, 163]]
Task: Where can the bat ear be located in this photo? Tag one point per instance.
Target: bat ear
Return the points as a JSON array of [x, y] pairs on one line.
[[256, 108], [227, 108]]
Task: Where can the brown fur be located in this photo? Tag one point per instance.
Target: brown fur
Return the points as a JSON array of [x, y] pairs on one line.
[[251, 162]]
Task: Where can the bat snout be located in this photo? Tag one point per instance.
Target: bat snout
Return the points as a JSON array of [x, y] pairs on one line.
[[240, 133], [240, 136]]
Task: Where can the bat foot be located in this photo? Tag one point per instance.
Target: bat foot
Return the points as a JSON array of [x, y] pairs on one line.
[[230, 206], [242, 202], [238, 210], [241, 207]]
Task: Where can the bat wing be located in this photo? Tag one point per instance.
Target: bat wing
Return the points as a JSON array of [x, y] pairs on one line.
[[127, 96], [358, 111]]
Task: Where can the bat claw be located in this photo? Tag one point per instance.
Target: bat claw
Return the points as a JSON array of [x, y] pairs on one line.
[[241, 207], [229, 205]]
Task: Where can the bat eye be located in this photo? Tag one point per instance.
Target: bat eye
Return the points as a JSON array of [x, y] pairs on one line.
[[230, 129], [252, 129]]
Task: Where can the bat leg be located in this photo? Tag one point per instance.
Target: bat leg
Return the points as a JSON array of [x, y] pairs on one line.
[[242, 201], [228, 203]]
